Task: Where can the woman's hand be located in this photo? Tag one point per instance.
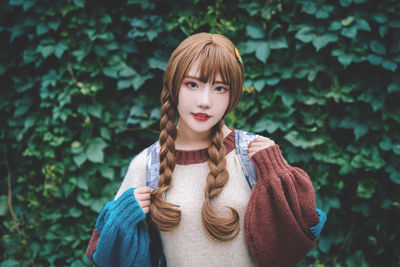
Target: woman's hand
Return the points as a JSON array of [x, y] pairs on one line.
[[258, 144], [142, 195]]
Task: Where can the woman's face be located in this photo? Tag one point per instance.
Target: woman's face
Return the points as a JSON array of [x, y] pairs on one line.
[[201, 105]]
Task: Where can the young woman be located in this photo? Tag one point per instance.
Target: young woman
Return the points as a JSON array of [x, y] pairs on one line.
[[202, 210]]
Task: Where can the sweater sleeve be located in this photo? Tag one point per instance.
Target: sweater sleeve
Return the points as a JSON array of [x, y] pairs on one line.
[[120, 237], [281, 211]]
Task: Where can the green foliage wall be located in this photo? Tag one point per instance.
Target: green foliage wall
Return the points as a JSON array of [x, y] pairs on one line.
[[80, 85]]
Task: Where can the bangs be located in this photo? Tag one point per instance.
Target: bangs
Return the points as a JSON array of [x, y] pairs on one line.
[[212, 61]]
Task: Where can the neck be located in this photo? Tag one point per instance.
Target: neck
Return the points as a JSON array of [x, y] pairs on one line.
[[188, 139]]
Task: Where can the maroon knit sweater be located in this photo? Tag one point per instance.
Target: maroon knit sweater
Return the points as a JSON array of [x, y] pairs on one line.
[[280, 212]]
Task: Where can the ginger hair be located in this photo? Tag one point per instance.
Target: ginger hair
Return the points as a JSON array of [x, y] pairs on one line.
[[214, 54]]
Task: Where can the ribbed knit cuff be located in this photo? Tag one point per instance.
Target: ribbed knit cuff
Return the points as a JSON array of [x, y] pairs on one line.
[[270, 161], [124, 212]]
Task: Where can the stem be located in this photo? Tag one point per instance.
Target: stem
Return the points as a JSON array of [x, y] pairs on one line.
[[13, 215], [344, 242]]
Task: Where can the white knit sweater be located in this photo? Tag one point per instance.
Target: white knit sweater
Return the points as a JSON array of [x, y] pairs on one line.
[[188, 244]]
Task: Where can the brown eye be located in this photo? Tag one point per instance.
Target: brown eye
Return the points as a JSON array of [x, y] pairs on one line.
[[192, 84], [221, 89]]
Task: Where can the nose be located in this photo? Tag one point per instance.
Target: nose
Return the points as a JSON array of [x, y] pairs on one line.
[[204, 98]]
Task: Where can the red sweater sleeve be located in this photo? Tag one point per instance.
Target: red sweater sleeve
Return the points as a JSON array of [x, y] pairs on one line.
[[280, 212]]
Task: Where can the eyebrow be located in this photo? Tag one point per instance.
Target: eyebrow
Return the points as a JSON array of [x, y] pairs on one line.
[[196, 78]]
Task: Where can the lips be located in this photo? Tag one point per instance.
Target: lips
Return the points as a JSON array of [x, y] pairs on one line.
[[201, 116]]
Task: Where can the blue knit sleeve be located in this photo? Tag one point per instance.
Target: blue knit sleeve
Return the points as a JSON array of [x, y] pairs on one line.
[[316, 229], [123, 237]]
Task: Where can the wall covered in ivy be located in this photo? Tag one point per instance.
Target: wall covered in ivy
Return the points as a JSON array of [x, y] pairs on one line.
[[80, 85]]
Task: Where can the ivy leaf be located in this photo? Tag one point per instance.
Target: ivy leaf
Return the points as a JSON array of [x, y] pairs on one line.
[[259, 85], [157, 63], [139, 80], [97, 204], [16, 30], [350, 32], [298, 140], [271, 81], [278, 44], [266, 125], [381, 18], [345, 59], [374, 59], [345, 2], [107, 172], [321, 41], [79, 3], [385, 144], [82, 183], [60, 49], [396, 149], [383, 29], [335, 25], [394, 174], [378, 47], [105, 133], [255, 31], [46, 50], [305, 35], [111, 72], [79, 159], [123, 84], [248, 47], [363, 25], [54, 24], [95, 110], [393, 87], [41, 28], [324, 12], [389, 65], [127, 72], [360, 130], [366, 188], [347, 21], [94, 151], [263, 51], [287, 97]]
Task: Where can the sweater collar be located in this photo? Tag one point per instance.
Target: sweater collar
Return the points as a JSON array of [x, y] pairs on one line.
[[186, 157]]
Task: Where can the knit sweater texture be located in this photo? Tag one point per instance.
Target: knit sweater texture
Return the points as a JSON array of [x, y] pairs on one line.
[[275, 218]]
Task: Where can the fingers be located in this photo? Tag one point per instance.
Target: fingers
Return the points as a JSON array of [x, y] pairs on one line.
[[258, 144], [144, 189], [142, 196], [261, 140]]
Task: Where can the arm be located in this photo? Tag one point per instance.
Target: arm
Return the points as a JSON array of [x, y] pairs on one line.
[[120, 237], [120, 231], [281, 209]]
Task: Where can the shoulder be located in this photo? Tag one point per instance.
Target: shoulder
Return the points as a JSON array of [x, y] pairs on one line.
[[245, 137], [139, 159]]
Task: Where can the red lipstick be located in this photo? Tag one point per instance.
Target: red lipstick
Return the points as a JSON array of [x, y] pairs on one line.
[[201, 116]]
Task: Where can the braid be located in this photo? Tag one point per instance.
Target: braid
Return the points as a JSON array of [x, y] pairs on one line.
[[218, 228], [166, 216]]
